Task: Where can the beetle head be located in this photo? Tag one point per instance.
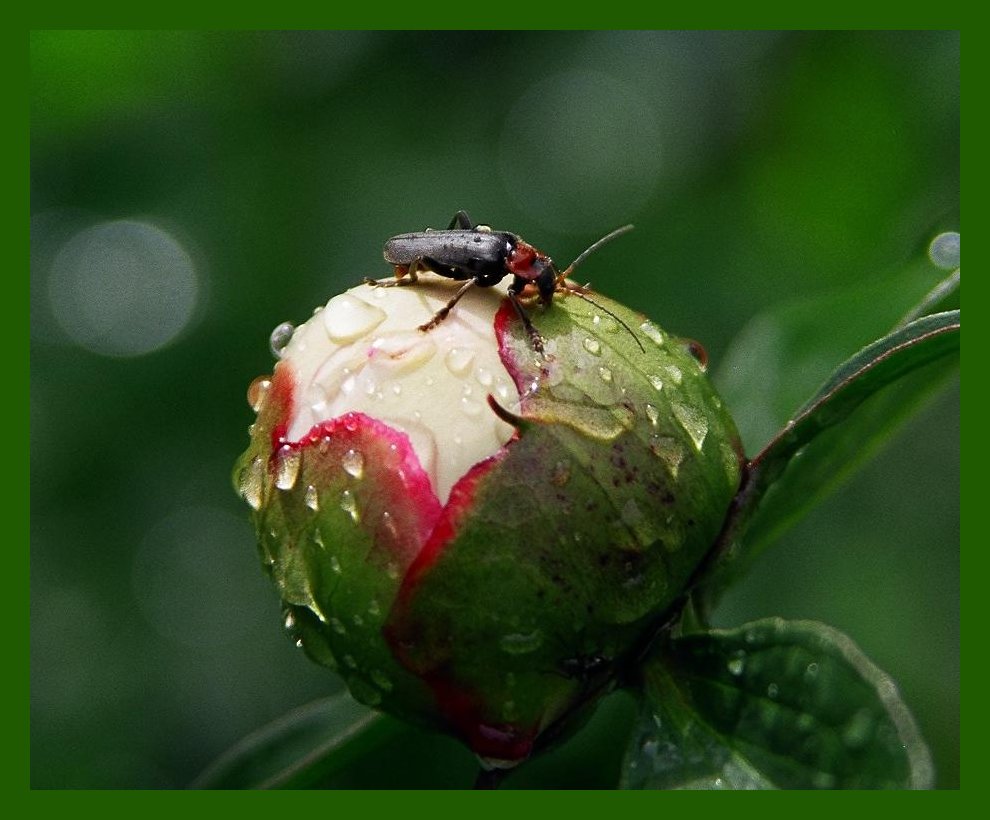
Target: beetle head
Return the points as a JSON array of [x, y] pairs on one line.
[[534, 267]]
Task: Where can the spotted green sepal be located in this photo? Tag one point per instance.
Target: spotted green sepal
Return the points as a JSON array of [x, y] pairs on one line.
[[773, 704], [583, 535]]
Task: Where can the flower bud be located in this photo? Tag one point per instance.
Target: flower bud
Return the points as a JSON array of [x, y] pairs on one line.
[[474, 534]]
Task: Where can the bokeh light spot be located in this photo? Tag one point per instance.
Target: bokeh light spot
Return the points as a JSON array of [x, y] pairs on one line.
[[123, 288]]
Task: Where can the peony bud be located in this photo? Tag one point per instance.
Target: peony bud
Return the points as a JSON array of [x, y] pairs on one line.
[[477, 536]]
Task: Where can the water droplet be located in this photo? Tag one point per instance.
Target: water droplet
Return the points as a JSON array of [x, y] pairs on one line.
[[287, 469], [521, 643], [257, 391], [596, 319], [337, 626], [823, 780], [349, 505], [290, 621], [668, 450], [459, 359], [381, 680], [593, 346], [606, 374], [858, 730], [657, 382], [673, 372], [772, 691], [252, 482], [470, 408], [693, 421], [347, 318], [353, 463], [299, 643], [374, 610], [652, 414], [349, 661], [811, 672], [737, 663], [944, 250], [358, 620], [280, 337], [484, 377], [318, 538], [651, 331], [392, 570], [399, 353], [312, 498], [363, 691], [334, 564]]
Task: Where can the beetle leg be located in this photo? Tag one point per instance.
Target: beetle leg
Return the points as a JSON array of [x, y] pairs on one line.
[[441, 314], [404, 275], [534, 335]]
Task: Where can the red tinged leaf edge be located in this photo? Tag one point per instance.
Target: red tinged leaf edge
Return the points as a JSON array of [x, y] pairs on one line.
[[436, 527]]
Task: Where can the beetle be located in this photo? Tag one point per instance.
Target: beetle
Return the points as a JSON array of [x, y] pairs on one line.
[[482, 257]]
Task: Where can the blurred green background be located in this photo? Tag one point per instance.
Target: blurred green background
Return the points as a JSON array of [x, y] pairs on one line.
[[190, 190]]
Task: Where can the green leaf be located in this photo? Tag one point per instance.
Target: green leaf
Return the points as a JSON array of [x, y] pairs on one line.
[[857, 408], [781, 356], [773, 704], [299, 749]]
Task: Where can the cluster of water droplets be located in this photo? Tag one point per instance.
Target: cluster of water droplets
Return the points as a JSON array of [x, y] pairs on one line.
[[363, 352]]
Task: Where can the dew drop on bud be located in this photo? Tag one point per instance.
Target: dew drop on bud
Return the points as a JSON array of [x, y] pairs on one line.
[[673, 373], [657, 382], [521, 643], [652, 332], [380, 680], [458, 360], [353, 464], [652, 414], [312, 498], [257, 391], [252, 481], [290, 621], [349, 505], [281, 336], [606, 374], [287, 469], [347, 318], [592, 346], [693, 421]]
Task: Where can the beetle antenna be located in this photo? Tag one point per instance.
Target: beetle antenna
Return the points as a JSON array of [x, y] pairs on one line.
[[577, 291], [604, 309], [607, 238]]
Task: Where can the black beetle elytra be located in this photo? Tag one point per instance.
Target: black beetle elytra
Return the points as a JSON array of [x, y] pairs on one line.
[[479, 256]]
